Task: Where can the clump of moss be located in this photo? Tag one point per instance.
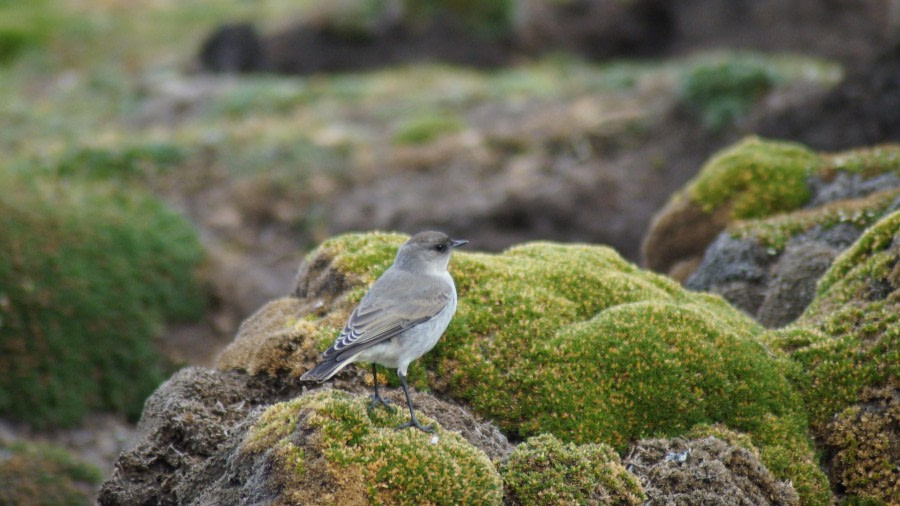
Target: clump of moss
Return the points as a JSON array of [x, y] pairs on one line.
[[722, 93], [544, 470], [755, 178], [707, 470], [865, 442], [88, 276], [566, 339], [41, 474], [326, 449]]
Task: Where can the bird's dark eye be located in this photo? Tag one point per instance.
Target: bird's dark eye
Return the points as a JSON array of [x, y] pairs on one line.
[[440, 247]]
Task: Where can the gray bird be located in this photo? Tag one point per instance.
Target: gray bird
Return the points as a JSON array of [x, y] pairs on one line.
[[401, 317]]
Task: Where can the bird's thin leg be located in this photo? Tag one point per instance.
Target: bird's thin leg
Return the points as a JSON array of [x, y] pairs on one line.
[[377, 398], [413, 422]]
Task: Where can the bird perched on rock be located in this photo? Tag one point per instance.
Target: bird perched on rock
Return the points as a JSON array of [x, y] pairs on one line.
[[401, 317]]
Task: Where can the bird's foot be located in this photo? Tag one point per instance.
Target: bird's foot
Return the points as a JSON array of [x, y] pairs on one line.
[[415, 423], [377, 399]]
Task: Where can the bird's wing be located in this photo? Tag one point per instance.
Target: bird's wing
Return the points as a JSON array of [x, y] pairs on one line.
[[386, 311]]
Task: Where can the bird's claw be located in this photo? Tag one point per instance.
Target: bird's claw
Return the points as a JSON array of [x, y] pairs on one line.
[[377, 399], [415, 423]]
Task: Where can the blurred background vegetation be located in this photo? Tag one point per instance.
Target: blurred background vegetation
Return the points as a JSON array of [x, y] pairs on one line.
[[147, 207]]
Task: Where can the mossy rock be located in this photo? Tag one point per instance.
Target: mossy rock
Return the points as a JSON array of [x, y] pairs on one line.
[[544, 470], [848, 340], [41, 474], [570, 340], [769, 267], [324, 448], [847, 344], [89, 275], [755, 178]]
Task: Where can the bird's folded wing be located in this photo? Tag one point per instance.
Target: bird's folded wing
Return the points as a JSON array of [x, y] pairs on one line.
[[379, 318]]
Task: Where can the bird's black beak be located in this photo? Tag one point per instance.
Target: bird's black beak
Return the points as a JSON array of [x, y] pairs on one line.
[[455, 243]]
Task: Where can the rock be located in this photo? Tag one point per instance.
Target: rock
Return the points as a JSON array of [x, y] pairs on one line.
[[769, 268], [234, 48], [852, 32], [862, 111], [672, 471]]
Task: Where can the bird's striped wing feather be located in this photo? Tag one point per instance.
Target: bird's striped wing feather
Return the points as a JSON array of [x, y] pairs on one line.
[[379, 318]]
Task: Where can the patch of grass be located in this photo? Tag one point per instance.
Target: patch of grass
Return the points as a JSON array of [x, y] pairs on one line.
[[120, 163], [425, 128]]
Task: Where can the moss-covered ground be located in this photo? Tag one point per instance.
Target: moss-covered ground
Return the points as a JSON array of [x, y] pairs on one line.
[[574, 341]]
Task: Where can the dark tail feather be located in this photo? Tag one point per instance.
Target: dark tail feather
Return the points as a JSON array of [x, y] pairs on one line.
[[323, 371]]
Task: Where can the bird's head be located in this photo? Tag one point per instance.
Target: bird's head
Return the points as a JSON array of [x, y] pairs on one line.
[[427, 252]]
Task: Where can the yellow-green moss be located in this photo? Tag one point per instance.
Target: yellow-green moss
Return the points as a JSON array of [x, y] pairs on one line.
[[868, 162], [329, 433], [775, 231], [40, 474], [544, 470], [575, 341], [867, 444], [756, 178]]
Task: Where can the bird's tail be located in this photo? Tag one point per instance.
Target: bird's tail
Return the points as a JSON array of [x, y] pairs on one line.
[[324, 371]]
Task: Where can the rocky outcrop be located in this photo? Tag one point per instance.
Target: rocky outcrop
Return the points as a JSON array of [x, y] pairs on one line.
[[215, 437], [756, 179]]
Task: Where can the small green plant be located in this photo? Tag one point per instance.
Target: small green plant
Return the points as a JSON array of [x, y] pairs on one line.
[[329, 431], [722, 93]]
